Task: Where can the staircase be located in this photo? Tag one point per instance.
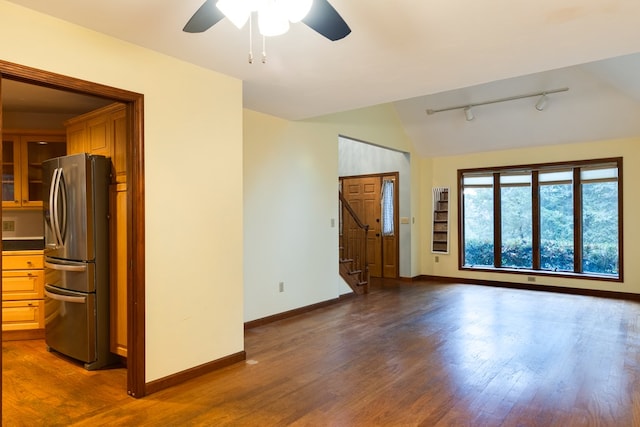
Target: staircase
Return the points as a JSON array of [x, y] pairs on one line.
[[353, 249]]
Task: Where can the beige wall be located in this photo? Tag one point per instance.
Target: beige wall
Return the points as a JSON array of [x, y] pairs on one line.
[[442, 171], [193, 174], [290, 198]]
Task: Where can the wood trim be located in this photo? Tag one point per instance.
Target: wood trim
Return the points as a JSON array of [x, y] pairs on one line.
[[620, 220], [295, 312], [180, 377], [543, 288], [135, 213], [497, 220], [535, 219], [396, 219], [577, 222], [461, 252], [136, 285], [28, 334], [39, 132]]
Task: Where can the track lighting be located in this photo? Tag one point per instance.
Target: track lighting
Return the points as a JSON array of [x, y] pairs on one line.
[[540, 105], [542, 102], [468, 114]]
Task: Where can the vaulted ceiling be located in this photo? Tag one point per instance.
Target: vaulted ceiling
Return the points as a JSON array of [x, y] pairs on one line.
[[419, 55]]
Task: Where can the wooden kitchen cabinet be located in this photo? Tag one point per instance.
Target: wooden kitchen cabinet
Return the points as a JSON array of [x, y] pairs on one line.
[[22, 155], [22, 294], [104, 132]]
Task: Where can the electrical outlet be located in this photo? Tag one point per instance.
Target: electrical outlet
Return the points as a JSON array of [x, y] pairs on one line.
[[281, 287], [437, 258], [8, 226], [531, 279]]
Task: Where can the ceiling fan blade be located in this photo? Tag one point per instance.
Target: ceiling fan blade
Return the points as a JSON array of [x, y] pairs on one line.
[[325, 20], [204, 18]]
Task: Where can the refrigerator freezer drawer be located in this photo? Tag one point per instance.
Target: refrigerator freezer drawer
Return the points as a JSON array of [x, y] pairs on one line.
[[70, 323], [70, 275]]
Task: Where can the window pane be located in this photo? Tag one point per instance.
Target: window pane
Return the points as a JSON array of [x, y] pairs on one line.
[[478, 226], [482, 180], [560, 176], [556, 227], [516, 226], [387, 207], [596, 173], [600, 227]]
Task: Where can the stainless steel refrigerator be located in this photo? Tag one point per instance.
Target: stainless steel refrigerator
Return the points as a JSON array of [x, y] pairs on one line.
[[76, 228]]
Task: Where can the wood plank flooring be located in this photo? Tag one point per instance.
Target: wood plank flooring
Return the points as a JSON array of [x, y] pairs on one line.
[[423, 354]]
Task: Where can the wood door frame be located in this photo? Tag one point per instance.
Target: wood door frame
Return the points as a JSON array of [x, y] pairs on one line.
[[396, 208], [135, 202]]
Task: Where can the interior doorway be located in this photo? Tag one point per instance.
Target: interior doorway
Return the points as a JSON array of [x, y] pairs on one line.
[[374, 198], [135, 201]]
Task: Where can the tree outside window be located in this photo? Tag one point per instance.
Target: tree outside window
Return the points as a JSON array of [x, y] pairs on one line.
[[561, 218]]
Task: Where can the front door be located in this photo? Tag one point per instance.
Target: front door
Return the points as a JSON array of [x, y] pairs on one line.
[[364, 195]]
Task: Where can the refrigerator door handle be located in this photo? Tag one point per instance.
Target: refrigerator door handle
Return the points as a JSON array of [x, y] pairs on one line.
[[65, 267], [54, 199], [52, 214], [65, 298]]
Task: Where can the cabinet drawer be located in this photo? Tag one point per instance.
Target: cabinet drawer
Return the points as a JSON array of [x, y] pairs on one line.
[[20, 315], [22, 284], [22, 262]]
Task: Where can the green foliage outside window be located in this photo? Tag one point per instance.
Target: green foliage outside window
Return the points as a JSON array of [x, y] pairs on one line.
[[598, 220]]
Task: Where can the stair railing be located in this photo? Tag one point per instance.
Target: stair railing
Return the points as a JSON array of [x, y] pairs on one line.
[[353, 248]]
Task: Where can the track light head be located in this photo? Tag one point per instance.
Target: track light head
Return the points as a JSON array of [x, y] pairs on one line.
[[542, 102], [468, 114]]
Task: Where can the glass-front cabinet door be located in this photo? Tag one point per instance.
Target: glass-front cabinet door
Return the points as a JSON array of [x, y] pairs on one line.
[[35, 150], [22, 167], [11, 179]]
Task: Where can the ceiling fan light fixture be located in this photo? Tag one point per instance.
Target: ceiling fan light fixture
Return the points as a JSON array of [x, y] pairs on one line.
[[254, 5], [296, 10], [237, 11], [272, 20]]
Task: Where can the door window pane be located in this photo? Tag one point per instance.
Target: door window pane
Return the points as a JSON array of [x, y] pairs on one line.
[[387, 207]]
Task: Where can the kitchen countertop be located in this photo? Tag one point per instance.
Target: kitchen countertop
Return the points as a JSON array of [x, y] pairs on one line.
[[22, 243]]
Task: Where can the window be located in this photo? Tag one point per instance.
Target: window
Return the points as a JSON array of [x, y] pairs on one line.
[[478, 222], [515, 216], [387, 200], [561, 218]]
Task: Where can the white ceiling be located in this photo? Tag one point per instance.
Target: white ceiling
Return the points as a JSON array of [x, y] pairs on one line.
[[418, 54]]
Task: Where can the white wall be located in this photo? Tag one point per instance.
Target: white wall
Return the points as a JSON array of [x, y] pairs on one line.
[[359, 158], [290, 196], [193, 179]]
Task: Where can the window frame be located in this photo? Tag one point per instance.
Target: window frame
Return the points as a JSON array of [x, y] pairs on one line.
[[535, 170]]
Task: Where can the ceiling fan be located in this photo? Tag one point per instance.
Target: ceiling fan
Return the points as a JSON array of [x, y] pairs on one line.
[[322, 18]]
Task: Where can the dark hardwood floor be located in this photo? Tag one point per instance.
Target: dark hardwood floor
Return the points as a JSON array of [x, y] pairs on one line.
[[406, 354]]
